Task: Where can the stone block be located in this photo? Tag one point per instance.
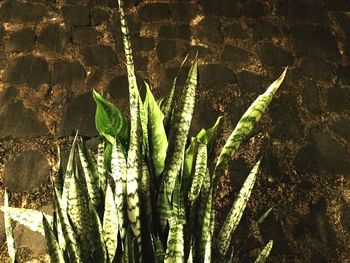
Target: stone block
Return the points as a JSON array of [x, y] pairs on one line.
[[317, 69], [337, 5], [272, 55], [234, 54], [21, 12], [155, 12], [76, 15], [235, 31], [26, 171], [29, 70], [99, 16], [99, 55], [215, 73], [209, 30], [342, 128], [174, 32], [226, 8], [166, 50], [67, 73], [255, 9], [54, 38], [84, 36], [311, 98], [249, 81], [265, 30], [338, 99], [21, 40]]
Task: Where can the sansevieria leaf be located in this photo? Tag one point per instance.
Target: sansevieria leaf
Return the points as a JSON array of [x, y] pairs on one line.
[[264, 253], [110, 121], [236, 211], [248, 122], [157, 135], [99, 252], [8, 229], [55, 252]]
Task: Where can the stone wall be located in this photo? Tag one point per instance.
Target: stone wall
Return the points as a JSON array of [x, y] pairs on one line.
[[53, 53]]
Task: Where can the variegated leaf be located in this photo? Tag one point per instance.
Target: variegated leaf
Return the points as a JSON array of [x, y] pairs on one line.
[[157, 135], [99, 253], [110, 224], [236, 211], [9, 230], [30, 218], [101, 167], [55, 252], [264, 254], [179, 132], [158, 248], [110, 121], [119, 177], [206, 231], [145, 194], [247, 123], [199, 173]]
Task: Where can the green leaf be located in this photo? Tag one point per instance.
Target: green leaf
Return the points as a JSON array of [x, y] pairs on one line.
[[119, 176], [110, 121], [55, 252], [264, 254], [103, 160], [247, 123], [145, 194], [99, 253], [236, 211], [30, 218], [199, 173], [159, 252], [207, 137], [156, 131], [179, 132], [110, 224], [9, 230], [207, 232]]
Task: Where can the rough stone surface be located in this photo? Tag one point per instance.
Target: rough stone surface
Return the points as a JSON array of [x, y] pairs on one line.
[[226, 8], [54, 38], [249, 81], [141, 43], [342, 128], [67, 73], [338, 99], [29, 70], [174, 31], [166, 50], [215, 73], [343, 74], [311, 98], [26, 171], [235, 31], [315, 41], [272, 55], [85, 36], [76, 15], [21, 40], [118, 88], [265, 30], [255, 9], [316, 69], [98, 16], [337, 5], [18, 121], [209, 30], [102, 56], [78, 113], [234, 54], [7, 95], [155, 12], [17, 11], [322, 154]]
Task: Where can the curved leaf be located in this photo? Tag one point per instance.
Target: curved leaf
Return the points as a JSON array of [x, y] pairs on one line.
[[110, 121], [236, 211]]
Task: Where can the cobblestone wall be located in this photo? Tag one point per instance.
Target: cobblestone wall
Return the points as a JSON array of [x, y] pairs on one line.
[[53, 53]]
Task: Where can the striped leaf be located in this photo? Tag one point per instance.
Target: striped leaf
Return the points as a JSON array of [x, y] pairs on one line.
[[68, 176], [179, 132], [91, 174], [206, 231], [247, 123], [264, 254], [30, 218], [55, 252], [158, 247], [78, 212], [167, 105], [119, 177], [134, 151], [157, 135], [67, 230], [144, 126], [99, 253], [110, 121], [145, 194], [236, 211], [110, 224], [101, 166], [199, 173], [60, 173], [8, 229]]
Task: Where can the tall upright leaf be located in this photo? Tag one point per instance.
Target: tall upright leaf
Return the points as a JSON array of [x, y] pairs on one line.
[[264, 253], [101, 166], [157, 134], [55, 252], [134, 151], [99, 252], [110, 121], [8, 230], [248, 122], [236, 211]]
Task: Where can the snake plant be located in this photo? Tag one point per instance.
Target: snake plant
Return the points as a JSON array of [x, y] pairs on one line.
[[147, 195]]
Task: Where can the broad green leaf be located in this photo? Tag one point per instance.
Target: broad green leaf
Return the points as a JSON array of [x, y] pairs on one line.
[[78, 212], [247, 123], [8, 229], [207, 137], [91, 173], [264, 254], [110, 224], [134, 151], [199, 172], [30, 218], [110, 121], [157, 135], [67, 230], [55, 252], [236, 211], [179, 132], [119, 177]]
